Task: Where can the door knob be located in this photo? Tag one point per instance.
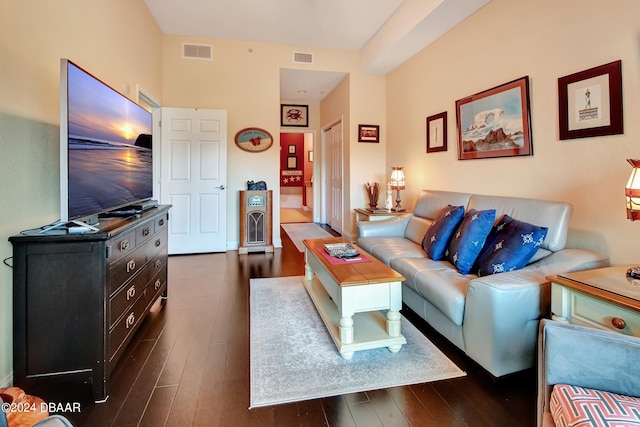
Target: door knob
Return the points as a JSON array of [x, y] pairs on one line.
[[221, 187]]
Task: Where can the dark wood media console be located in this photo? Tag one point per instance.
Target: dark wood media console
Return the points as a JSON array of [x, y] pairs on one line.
[[79, 298]]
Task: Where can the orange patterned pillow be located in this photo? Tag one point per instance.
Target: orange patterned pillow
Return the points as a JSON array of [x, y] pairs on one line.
[[573, 406]]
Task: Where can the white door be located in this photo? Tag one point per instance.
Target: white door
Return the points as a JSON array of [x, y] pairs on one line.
[[193, 175], [334, 142]]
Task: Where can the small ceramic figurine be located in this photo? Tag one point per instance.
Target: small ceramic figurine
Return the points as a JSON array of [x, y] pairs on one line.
[[388, 204]]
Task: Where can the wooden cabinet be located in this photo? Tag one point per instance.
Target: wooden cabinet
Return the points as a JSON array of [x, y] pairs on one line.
[[79, 298], [603, 298]]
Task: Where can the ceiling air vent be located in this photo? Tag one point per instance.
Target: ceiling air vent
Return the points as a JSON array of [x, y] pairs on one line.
[[303, 58], [197, 51]]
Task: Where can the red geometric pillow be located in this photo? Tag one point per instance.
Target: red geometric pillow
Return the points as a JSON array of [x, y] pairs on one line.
[[582, 407]]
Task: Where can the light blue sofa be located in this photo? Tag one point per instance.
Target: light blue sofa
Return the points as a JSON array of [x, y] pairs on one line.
[[493, 319]]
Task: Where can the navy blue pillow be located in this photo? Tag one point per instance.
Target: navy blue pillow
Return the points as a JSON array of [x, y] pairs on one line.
[[437, 237], [510, 246], [469, 239]]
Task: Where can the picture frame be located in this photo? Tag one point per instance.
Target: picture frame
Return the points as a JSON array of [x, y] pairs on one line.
[[292, 149], [292, 162], [369, 133], [310, 156], [590, 102], [495, 122], [295, 115], [437, 132]]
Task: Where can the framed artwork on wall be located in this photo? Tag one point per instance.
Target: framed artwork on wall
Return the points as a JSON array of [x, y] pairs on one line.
[[368, 133], [496, 122], [590, 102], [292, 162], [294, 115], [437, 132], [292, 149]]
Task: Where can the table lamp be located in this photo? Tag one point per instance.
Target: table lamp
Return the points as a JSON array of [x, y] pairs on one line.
[[397, 183]]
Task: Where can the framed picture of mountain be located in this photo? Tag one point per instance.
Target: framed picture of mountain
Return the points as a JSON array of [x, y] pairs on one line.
[[495, 123]]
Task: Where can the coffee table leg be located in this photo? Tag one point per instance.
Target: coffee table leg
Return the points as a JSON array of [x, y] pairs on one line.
[[346, 334], [393, 328], [308, 272]]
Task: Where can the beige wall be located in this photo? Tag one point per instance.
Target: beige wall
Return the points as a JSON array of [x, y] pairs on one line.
[[243, 78], [545, 40], [119, 42]]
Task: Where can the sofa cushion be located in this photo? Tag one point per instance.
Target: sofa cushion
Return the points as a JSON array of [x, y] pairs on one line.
[[578, 406], [469, 239], [438, 282], [389, 248], [509, 246], [437, 237]]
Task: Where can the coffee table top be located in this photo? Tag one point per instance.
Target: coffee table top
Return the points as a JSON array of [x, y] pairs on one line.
[[357, 273]]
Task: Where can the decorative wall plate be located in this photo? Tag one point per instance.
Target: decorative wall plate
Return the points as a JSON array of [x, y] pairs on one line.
[[253, 140]]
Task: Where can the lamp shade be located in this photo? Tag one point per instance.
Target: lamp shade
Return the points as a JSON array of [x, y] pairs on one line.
[[632, 191], [397, 178]]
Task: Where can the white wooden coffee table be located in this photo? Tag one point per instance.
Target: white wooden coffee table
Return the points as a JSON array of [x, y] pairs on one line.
[[350, 296]]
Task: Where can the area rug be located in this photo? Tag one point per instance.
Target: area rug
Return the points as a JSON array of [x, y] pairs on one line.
[[293, 357], [298, 232]]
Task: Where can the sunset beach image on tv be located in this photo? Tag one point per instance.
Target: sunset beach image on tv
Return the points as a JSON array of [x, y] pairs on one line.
[[109, 147]]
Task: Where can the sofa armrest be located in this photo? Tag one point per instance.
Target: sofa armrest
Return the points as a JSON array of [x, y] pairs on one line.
[[585, 357], [393, 227], [502, 311]]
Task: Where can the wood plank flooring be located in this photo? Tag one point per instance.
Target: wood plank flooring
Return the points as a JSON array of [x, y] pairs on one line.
[[188, 365]]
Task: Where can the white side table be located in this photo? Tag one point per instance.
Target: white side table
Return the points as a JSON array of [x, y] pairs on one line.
[[604, 298]]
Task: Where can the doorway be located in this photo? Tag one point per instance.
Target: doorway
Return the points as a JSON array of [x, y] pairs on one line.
[[296, 177]]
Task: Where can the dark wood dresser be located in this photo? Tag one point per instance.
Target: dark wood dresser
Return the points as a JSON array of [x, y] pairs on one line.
[[79, 298]]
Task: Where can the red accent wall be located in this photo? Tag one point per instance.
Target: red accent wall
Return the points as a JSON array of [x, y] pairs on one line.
[[292, 177]]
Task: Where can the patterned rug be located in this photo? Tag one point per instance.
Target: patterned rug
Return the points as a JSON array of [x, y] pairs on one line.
[[298, 232], [293, 357]]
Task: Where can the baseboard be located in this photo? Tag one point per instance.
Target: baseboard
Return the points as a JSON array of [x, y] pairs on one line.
[[7, 381]]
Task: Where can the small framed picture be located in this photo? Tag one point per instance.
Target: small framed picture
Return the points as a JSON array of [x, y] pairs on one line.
[[292, 149], [294, 115], [590, 102], [368, 133], [292, 162], [437, 132], [311, 156]]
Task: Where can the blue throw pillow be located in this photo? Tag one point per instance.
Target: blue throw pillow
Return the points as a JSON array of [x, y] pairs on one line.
[[469, 239], [510, 246], [437, 237]]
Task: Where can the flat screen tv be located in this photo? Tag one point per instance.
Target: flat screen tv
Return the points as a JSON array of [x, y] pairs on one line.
[[105, 148]]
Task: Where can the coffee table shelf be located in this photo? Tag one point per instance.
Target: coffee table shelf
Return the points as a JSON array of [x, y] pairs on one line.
[[350, 299]]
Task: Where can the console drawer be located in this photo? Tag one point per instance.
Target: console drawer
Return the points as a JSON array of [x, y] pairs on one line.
[[126, 325], [158, 242], [144, 232], [125, 268], [123, 299], [122, 245]]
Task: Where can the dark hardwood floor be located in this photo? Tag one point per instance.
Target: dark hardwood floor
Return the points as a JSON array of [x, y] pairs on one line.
[[188, 365]]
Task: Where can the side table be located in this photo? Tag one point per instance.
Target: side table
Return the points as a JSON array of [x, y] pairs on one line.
[[365, 215], [603, 298]]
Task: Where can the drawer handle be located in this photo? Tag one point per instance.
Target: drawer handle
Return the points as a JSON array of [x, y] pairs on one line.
[[161, 222], [158, 263], [131, 319], [146, 231], [124, 245], [157, 285], [131, 292], [131, 265], [618, 323], [158, 243]]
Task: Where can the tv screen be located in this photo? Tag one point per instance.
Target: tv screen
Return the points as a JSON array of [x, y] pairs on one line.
[[105, 147]]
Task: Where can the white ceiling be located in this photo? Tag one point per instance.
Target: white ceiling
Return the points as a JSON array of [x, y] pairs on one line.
[[386, 32]]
